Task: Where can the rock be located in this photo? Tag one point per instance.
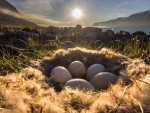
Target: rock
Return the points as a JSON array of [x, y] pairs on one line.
[[65, 38], [12, 50], [141, 36], [60, 75], [91, 38], [27, 30], [110, 33], [51, 30], [49, 44], [65, 31], [125, 34], [102, 80], [71, 31], [80, 83], [77, 69], [17, 43], [48, 37], [23, 35], [102, 37], [93, 70], [89, 30], [8, 35], [49, 41], [69, 44], [138, 33], [78, 28], [36, 31]]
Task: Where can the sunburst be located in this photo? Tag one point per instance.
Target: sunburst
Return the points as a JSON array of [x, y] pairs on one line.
[[77, 13]]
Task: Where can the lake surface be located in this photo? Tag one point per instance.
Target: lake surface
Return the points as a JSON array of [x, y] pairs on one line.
[[131, 30]]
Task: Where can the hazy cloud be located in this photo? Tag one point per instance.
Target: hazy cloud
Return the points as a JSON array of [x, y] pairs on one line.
[[33, 6], [38, 19], [119, 6]]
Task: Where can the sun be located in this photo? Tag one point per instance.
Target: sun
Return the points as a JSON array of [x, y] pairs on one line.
[[77, 13]]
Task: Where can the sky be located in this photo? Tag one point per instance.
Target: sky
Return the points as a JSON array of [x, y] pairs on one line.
[[93, 10]]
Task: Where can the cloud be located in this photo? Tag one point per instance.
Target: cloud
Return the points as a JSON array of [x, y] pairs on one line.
[[39, 7], [38, 19], [125, 5], [119, 6]]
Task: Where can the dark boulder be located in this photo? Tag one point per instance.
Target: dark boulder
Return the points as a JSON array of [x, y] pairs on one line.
[[23, 35], [7, 49], [58, 31], [35, 31], [50, 30], [67, 38], [17, 43], [65, 31], [78, 28], [27, 30], [71, 31], [5, 29], [49, 44], [125, 34], [140, 35], [103, 37], [110, 34], [0, 29], [47, 37], [89, 30], [91, 38], [137, 33], [8, 35], [69, 44]]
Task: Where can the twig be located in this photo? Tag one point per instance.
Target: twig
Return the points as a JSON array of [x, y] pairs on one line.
[[144, 82], [122, 98], [134, 80], [139, 105]]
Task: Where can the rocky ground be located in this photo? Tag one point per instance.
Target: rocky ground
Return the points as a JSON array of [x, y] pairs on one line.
[[17, 39]]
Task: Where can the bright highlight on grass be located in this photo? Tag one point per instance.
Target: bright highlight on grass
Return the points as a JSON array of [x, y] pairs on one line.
[[77, 13]]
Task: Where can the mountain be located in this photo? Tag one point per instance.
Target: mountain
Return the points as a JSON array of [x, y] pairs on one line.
[[141, 19], [6, 5], [7, 19]]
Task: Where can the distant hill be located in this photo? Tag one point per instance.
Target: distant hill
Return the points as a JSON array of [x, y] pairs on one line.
[[141, 19], [6, 19], [6, 5]]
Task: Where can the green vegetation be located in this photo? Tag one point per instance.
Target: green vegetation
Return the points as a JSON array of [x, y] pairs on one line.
[[134, 49], [14, 63]]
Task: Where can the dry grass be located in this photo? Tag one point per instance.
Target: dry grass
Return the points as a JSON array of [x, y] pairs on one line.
[[32, 91]]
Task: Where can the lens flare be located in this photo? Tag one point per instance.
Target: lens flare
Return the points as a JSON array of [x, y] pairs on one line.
[[77, 13]]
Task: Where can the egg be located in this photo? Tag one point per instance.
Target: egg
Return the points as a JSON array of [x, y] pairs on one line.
[[77, 69], [93, 70], [81, 84], [102, 80], [60, 75]]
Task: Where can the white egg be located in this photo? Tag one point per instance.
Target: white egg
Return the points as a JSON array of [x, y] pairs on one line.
[[77, 69], [93, 70], [102, 80], [60, 74], [81, 84]]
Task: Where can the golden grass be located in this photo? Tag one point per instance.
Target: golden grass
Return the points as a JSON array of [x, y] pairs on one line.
[[33, 91]]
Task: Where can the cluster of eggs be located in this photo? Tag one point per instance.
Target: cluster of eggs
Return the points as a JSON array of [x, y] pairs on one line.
[[76, 76]]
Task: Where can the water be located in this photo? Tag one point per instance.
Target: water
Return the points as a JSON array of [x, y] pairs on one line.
[[131, 30]]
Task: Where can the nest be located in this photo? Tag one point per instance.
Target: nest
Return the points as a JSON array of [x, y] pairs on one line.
[[31, 91]]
